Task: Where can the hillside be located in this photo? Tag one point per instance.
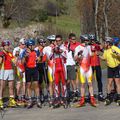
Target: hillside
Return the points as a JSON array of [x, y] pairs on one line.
[[64, 23]]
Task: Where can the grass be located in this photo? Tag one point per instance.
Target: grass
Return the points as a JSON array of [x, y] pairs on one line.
[[64, 25], [68, 24]]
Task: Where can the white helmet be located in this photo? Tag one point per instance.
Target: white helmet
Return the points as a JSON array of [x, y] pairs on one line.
[[51, 38], [22, 41]]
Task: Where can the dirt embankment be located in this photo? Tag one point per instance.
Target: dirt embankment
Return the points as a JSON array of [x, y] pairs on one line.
[[20, 32]]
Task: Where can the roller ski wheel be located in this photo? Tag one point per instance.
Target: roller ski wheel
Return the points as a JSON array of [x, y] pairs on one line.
[[30, 105], [107, 102], [55, 106], [64, 104], [75, 99], [118, 102]]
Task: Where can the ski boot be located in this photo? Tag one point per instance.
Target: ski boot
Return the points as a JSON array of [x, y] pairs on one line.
[[75, 97], [101, 97], [30, 103], [1, 104], [12, 102], [108, 99], [64, 102], [50, 101], [81, 102], [118, 99], [39, 104], [93, 101], [42, 98], [56, 103], [24, 101]]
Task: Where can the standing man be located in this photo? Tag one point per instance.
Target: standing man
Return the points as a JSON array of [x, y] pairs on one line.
[[47, 51], [30, 57], [112, 59], [82, 55], [8, 73], [59, 59], [41, 65], [71, 65], [20, 70], [96, 67]]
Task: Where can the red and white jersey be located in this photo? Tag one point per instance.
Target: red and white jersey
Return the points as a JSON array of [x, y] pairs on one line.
[[85, 55]]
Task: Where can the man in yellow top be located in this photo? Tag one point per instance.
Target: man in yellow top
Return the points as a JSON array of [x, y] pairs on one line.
[[111, 56]]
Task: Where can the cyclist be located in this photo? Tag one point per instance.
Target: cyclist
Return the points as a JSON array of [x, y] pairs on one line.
[[82, 55]]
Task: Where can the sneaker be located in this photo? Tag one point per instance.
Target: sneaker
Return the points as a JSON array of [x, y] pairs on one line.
[[93, 101], [81, 103], [1, 104], [12, 102]]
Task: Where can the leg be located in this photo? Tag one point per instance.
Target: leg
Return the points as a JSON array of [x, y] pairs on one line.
[[12, 102], [99, 80], [2, 86]]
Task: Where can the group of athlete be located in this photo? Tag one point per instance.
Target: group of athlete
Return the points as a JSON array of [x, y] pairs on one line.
[[57, 70]]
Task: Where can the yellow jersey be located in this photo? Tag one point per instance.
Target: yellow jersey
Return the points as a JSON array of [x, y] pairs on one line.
[[112, 59]]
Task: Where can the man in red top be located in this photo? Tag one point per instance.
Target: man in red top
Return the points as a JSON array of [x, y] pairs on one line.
[[59, 60], [7, 73], [96, 67], [71, 65], [30, 57]]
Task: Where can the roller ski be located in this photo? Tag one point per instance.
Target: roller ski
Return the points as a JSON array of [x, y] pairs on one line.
[[108, 100], [75, 97], [118, 99], [81, 103], [12, 103], [101, 97], [56, 103], [93, 101], [39, 104], [50, 101], [64, 103], [30, 104]]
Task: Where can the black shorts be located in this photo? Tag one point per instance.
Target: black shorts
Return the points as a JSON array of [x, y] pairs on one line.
[[71, 72], [42, 70], [31, 74], [113, 72]]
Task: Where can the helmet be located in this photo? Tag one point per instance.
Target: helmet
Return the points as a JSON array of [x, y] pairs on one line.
[[22, 41], [84, 37], [91, 37], [41, 41], [30, 42], [116, 40], [108, 39], [51, 37], [5, 42]]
